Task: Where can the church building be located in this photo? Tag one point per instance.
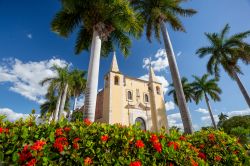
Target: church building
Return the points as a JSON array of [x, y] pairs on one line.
[[128, 100]]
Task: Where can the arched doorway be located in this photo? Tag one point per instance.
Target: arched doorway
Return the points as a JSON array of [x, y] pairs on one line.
[[141, 122]]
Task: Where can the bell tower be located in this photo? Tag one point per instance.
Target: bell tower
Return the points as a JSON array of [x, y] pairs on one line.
[[158, 110]]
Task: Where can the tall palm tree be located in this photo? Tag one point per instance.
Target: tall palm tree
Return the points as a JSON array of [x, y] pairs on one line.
[[226, 52], [60, 84], [187, 89], [110, 23], [155, 14], [205, 87], [222, 118], [77, 84]]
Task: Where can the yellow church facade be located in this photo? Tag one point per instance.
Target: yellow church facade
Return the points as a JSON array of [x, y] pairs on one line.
[[128, 100]]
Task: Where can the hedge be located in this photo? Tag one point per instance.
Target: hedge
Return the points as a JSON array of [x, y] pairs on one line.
[[86, 143]]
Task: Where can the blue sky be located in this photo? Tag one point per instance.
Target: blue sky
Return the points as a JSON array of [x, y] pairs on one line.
[[28, 48]]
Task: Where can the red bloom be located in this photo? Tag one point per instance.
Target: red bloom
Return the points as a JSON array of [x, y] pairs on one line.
[[217, 158], [182, 138], [32, 162], [87, 122], [175, 144], [59, 132], [171, 164], [135, 163], [157, 146], [87, 161], [162, 136], [211, 137], [202, 146], [4, 130], [67, 129], [194, 163], [1, 130], [154, 138], [202, 155], [38, 145], [60, 143], [76, 146], [76, 139], [104, 138], [139, 144], [25, 154]]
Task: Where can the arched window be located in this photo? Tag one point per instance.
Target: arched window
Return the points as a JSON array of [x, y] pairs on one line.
[[146, 98], [116, 80], [130, 97], [141, 122], [158, 91]]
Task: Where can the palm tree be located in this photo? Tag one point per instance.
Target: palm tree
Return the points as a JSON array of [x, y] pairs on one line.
[[110, 23], [187, 89], [77, 84], [155, 14], [225, 52], [222, 118], [206, 88], [60, 84]]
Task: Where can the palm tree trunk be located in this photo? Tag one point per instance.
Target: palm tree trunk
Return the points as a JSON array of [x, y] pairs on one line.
[[210, 111], [242, 88], [62, 105], [92, 81], [74, 106], [185, 115], [58, 103]]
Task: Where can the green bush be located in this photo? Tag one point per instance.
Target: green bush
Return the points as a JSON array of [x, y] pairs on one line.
[[85, 143]]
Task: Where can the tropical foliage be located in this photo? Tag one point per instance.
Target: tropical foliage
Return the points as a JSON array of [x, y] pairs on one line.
[[155, 14], [205, 88], [86, 143], [226, 52]]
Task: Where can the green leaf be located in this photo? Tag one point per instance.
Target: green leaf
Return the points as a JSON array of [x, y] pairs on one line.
[[52, 137], [1, 156], [15, 156], [25, 132]]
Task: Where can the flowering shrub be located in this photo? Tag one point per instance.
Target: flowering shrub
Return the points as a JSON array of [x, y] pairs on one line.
[[86, 143], [218, 148]]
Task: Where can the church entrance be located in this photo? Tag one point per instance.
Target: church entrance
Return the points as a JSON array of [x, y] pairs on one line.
[[141, 122]]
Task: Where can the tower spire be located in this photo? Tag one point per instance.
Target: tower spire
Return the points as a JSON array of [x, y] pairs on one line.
[[152, 77], [114, 66]]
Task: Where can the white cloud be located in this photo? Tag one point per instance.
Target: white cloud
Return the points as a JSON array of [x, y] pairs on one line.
[[202, 110], [169, 105], [239, 112], [161, 79], [80, 102], [11, 115], [179, 53], [25, 77], [159, 63], [175, 120], [29, 35]]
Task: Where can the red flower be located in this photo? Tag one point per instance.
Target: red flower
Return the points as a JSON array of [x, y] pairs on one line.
[[171, 164], [4, 130], [67, 129], [194, 163], [202, 146], [59, 132], [139, 144], [60, 143], [182, 138], [38, 145], [202, 155], [1, 130], [87, 122], [87, 161], [157, 146], [25, 154], [32, 162], [162, 136], [76, 139], [217, 158], [211, 137], [175, 144], [135, 163], [154, 138], [76, 146], [104, 138]]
